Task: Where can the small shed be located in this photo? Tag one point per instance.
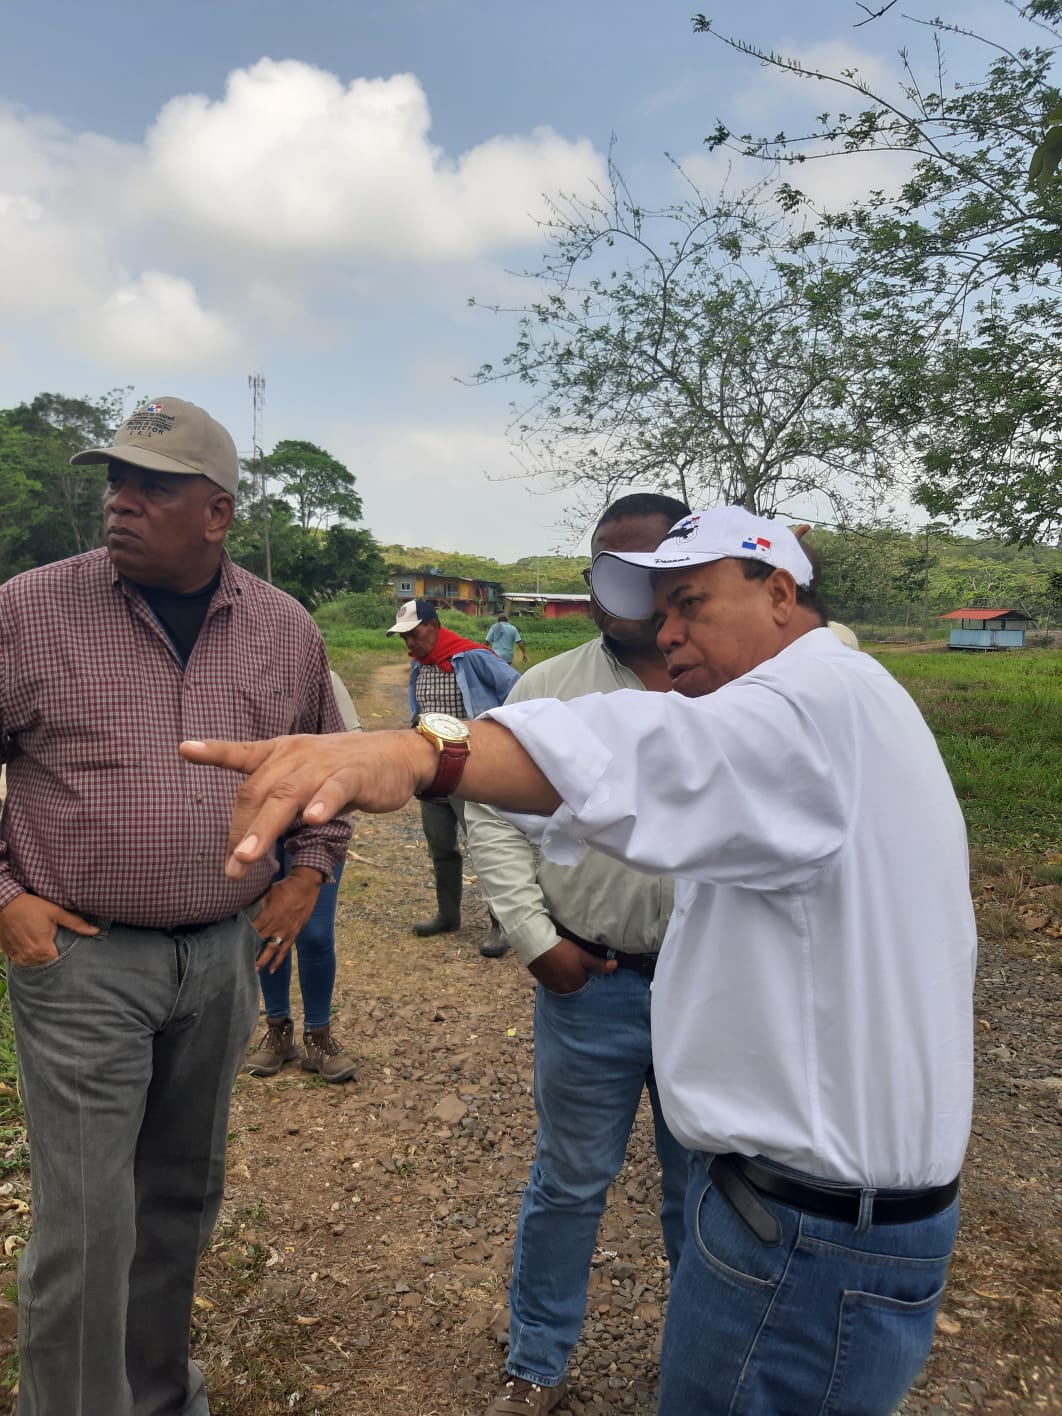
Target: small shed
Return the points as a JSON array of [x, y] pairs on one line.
[[979, 628], [549, 606]]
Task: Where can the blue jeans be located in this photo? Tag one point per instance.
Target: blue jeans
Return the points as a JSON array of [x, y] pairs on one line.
[[593, 1057], [829, 1322], [315, 949]]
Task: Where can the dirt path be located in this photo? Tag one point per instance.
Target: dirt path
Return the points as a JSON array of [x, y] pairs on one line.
[[361, 1261]]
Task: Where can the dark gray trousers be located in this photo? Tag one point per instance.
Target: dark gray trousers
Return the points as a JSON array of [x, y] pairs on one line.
[[128, 1046]]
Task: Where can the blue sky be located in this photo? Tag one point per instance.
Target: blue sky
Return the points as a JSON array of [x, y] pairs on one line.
[[314, 191]]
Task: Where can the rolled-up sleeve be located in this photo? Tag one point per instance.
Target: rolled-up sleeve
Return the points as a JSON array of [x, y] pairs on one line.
[[504, 861]]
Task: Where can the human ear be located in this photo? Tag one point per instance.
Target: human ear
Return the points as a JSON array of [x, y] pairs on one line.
[[220, 509], [782, 590]]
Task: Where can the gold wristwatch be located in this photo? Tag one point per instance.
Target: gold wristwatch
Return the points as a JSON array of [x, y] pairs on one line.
[[450, 738]]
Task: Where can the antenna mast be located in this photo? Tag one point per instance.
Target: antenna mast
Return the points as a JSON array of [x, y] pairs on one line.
[[256, 383]]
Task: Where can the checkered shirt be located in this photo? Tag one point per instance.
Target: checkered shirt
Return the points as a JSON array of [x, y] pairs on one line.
[[103, 816], [439, 692]]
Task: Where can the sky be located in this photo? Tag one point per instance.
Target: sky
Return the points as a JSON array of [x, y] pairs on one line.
[[315, 191]]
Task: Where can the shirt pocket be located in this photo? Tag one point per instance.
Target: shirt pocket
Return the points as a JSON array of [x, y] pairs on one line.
[[93, 723], [263, 709]]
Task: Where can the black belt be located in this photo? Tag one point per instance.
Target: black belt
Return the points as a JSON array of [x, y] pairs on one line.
[[645, 964], [828, 1199]]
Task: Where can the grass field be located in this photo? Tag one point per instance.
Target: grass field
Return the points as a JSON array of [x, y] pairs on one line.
[[997, 719]]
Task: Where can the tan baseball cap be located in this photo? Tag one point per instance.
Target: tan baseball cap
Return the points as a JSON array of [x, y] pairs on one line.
[[170, 435]]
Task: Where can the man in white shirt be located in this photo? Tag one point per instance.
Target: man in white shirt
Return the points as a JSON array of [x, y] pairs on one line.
[[812, 1029], [590, 934]]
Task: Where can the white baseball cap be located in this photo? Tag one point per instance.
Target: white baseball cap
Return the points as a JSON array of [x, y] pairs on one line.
[[622, 581], [412, 613]]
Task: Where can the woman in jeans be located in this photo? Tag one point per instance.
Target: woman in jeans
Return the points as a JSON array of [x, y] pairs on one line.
[[315, 949]]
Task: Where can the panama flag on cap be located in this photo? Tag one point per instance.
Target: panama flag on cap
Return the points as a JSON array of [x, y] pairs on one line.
[[760, 544]]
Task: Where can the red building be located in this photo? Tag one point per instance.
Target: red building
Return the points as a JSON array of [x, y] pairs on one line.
[[549, 606]]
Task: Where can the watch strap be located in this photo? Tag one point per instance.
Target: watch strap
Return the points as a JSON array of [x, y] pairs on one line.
[[448, 772]]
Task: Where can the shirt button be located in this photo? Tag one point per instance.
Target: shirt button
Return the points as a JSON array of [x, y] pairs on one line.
[[199, 796], [199, 857]]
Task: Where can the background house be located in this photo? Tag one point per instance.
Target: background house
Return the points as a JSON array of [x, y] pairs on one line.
[[986, 629], [548, 606], [447, 592]]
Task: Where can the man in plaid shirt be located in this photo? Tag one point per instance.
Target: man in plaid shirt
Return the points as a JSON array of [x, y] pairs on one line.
[[131, 956]]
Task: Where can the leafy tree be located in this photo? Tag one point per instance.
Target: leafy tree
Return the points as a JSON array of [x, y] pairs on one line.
[[51, 509], [311, 564], [961, 261], [22, 497], [316, 484], [705, 349]]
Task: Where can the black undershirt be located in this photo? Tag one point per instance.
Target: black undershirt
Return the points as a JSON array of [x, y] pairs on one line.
[[181, 615]]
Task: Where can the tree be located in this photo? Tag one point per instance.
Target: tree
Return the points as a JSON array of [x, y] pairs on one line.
[[318, 486], [704, 349], [51, 509], [963, 257], [310, 562]]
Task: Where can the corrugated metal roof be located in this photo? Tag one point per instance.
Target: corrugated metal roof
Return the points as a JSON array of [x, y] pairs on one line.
[[523, 599], [983, 614]]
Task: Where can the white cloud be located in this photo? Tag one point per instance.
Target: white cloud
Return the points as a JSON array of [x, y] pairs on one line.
[[450, 485], [156, 324], [235, 217], [291, 161]]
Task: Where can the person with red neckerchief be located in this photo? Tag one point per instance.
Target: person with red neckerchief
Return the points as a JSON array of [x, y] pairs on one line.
[[460, 678]]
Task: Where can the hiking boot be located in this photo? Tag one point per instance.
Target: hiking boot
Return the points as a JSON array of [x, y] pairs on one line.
[[494, 946], [276, 1048], [520, 1398], [324, 1055]]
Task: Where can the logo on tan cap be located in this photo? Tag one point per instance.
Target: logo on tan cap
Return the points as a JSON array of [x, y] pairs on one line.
[[170, 435]]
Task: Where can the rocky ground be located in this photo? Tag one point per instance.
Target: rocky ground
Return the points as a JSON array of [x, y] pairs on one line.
[[360, 1265]]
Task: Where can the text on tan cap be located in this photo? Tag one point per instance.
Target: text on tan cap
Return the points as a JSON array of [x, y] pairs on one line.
[[169, 435]]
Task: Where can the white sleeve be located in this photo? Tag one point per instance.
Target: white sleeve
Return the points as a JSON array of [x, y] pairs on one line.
[[740, 787]]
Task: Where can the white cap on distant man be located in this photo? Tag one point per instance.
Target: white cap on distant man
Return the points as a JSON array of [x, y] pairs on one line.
[[622, 581], [412, 613]]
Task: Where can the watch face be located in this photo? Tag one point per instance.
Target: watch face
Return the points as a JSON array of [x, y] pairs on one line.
[[443, 726]]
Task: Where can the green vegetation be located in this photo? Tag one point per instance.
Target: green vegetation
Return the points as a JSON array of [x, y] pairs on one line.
[[553, 574], [997, 722], [955, 259]]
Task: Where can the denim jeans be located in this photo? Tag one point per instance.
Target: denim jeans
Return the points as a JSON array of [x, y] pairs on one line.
[[593, 1058], [128, 1045], [829, 1322], [315, 950]]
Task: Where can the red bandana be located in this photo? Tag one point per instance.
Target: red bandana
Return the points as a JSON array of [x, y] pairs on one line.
[[446, 646]]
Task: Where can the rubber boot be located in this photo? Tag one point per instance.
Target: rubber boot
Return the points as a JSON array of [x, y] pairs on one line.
[[449, 879], [494, 946]]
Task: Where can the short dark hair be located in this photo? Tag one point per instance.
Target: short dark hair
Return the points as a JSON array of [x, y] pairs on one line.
[[807, 596], [503, 617], [643, 504]]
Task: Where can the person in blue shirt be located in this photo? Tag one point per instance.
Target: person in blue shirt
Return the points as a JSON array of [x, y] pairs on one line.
[[503, 638]]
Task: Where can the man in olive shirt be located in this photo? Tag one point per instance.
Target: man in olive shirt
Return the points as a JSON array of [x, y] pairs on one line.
[[589, 934]]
